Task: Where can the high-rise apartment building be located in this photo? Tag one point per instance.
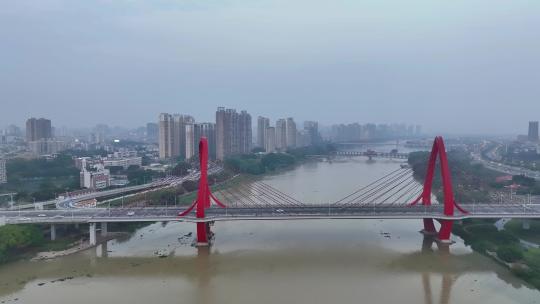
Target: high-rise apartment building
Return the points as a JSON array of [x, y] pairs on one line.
[[262, 124], [190, 140], [172, 135], [233, 132], [166, 124], [207, 130], [37, 129], [270, 140], [311, 128], [533, 131], [291, 133], [281, 135], [245, 136], [3, 172]]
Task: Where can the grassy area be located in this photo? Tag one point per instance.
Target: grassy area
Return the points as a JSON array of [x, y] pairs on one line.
[[531, 235]]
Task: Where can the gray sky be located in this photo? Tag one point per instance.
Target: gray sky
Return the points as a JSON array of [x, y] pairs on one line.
[[464, 66]]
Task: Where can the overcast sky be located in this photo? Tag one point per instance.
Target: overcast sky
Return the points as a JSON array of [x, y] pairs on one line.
[[463, 66]]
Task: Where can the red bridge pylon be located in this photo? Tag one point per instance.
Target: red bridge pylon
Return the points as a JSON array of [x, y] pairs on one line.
[[204, 197], [449, 201]]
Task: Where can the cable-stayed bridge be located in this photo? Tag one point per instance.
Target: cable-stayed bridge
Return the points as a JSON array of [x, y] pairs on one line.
[[396, 195]]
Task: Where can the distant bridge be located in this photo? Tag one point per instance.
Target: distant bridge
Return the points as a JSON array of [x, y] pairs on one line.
[[373, 154]]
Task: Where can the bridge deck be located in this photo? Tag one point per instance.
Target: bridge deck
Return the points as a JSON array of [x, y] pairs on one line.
[[267, 213]]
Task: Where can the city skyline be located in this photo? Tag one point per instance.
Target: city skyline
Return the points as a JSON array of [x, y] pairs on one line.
[[336, 62], [516, 130], [269, 151]]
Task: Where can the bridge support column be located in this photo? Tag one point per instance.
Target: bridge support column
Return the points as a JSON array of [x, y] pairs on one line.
[[449, 202], [445, 231], [429, 227], [203, 231], [53, 232], [92, 228], [204, 196], [104, 230]]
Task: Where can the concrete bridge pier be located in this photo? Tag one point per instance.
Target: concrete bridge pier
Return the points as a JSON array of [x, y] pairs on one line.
[[53, 232], [203, 234], [102, 250], [92, 228], [104, 231]]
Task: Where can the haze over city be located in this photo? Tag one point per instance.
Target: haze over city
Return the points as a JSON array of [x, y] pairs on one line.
[[464, 67], [269, 151]]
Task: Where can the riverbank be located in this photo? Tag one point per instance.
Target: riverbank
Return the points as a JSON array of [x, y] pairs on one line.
[[473, 182], [77, 246], [504, 246]]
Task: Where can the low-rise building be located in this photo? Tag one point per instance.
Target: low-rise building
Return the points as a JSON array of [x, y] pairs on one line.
[[95, 177], [122, 162]]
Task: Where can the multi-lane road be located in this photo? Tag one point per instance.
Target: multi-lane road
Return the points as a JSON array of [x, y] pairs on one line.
[[500, 167], [71, 202], [154, 214]]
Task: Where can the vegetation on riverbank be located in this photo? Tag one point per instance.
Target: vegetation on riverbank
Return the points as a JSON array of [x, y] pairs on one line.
[[258, 164], [473, 182], [15, 239], [504, 246]]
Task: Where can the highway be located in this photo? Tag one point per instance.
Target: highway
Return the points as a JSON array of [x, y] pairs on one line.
[[154, 214], [511, 170], [70, 202]]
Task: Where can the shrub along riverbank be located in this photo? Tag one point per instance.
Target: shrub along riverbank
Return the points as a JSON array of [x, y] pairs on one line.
[[473, 182], [504, 245], [17, 239]]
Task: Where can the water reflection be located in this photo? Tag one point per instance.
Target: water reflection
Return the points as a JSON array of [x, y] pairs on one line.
[[447, 278], [202, 261]]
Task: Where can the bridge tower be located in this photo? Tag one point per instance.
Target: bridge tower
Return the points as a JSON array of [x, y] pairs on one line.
[[449, 201], [204, 197]]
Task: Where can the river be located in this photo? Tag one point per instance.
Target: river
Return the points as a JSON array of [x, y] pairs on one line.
[[311, 261]]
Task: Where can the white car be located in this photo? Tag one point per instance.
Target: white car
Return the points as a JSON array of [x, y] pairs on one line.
[[42, 215], [131, 213]]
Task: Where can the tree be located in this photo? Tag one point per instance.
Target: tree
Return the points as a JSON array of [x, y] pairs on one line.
[[190, 185], [181, 169], [14, 238]]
